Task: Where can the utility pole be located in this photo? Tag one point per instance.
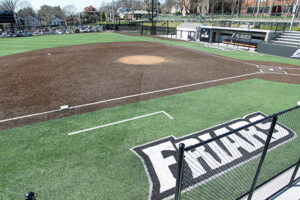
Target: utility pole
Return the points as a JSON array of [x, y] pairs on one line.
[[295, 12]]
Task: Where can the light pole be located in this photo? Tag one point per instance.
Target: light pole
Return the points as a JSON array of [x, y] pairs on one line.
[[295, 11], [152, 22]]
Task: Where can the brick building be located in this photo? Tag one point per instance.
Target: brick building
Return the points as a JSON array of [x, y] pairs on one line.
[[268, 7], [243, 7]]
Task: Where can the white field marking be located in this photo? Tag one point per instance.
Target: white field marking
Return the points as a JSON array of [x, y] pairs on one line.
[[122, 121], [131, 96], [270, 66], [31, 115], [290, 68], [164, 90]]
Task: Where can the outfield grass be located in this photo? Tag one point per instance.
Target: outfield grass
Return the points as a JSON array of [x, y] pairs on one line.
[[236, 54], [98, 164], [10, 46]]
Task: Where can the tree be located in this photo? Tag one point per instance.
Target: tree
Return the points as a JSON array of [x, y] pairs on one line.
[[47, 12], [70, 11], [9, 5], [102, 16], [24, 12], [168, 5]]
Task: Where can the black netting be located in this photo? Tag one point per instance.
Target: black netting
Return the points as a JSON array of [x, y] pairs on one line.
[[225, 167], [286, 154]]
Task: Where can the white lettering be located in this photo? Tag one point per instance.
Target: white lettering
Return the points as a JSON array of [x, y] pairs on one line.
[[161, 164], [296, 54], [224, 157], [193, 163], [233, 151], [249, 133]]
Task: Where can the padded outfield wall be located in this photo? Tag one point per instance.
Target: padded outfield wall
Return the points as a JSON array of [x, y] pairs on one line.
[[279, 50]]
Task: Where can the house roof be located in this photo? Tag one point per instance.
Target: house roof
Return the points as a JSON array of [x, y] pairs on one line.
[[89, 8]]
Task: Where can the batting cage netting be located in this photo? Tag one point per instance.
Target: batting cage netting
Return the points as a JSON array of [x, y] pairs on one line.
[[249, 158]]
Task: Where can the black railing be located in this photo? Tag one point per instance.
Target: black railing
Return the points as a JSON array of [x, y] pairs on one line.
[[237, 159]]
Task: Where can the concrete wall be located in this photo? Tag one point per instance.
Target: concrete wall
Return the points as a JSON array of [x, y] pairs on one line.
[[279, 50]]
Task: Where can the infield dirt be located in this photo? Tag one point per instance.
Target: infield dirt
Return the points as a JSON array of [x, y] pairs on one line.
[[44, 80]]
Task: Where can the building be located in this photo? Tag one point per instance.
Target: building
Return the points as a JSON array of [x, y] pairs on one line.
[[243, 7], [31, 22], [55, 21], [90, 14], [267, 7], [122, 11]]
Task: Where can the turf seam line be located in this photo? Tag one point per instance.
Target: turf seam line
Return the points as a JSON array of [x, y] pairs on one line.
[[131, 96], [122, 121]]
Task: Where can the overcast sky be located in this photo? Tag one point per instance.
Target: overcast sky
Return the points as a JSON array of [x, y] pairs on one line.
[[80, 4]]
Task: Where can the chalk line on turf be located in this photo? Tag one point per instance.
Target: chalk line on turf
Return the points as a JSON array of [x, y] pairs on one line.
[[122, 121]]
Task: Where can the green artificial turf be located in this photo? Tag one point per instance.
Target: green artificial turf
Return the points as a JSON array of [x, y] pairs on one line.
[[99, 165], [10, 46], [236, 54]]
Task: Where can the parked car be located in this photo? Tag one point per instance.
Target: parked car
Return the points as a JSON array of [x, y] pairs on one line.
[[27, 34], [60, 31], [76, 31], [4, 35], [44, 33], [36, 33], [19, 34], [11, 33], [51, 32], [69, 32]]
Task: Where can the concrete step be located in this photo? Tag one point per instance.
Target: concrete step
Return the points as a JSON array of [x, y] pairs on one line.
[[291, 34], [293, 40], [289, 37], [292, 44]]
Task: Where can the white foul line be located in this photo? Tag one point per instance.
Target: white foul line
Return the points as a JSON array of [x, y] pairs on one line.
[[31, 115], [164, 90], [131, 96], [122, 121]]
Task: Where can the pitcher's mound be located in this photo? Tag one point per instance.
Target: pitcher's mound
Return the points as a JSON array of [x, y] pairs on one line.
[[141, 60]]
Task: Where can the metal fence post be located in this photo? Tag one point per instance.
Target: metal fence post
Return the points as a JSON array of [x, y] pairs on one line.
[[262, 158], [142, 28], [294, 173], [179, 172]]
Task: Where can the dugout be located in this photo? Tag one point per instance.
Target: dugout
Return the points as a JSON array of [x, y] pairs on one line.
[[235, 36]]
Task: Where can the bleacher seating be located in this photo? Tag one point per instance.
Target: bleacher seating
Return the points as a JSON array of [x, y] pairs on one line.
[[291, 38]]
